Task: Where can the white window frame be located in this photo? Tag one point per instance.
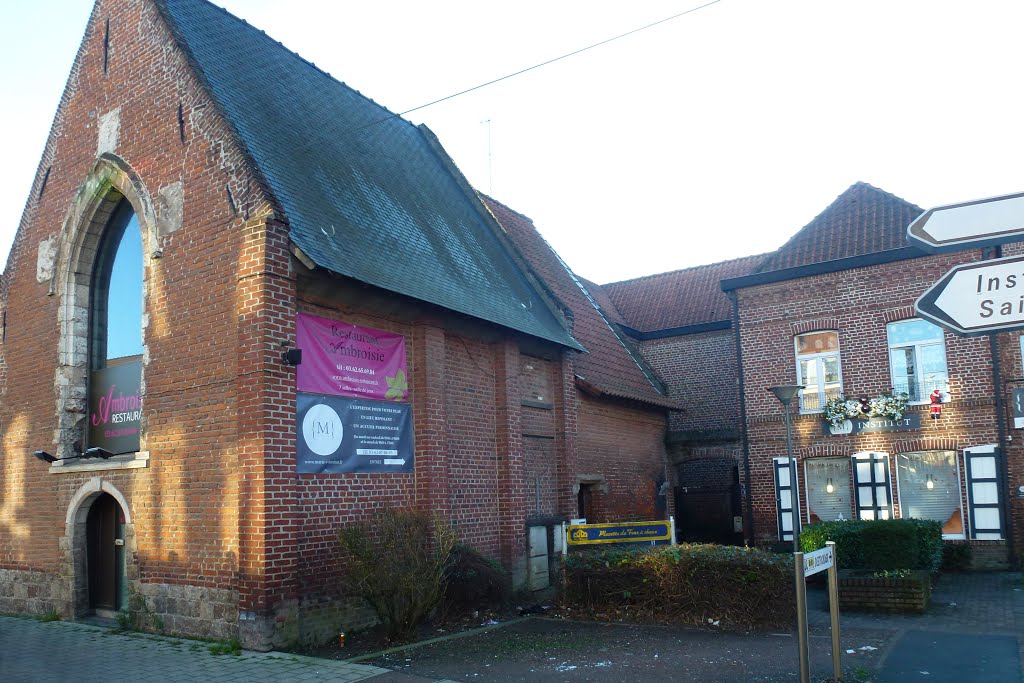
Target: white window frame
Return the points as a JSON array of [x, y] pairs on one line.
[[924, 396], [959, 489], [818, 359]]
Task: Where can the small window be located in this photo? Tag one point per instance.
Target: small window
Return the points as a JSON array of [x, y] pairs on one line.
[[817, 368], [929, 486], [917, 359], [828, 490]]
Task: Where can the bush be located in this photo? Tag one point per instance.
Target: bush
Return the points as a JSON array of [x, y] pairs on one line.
[[879, 545], [956, 557], [694, 584], [399, 560], [475, 581]]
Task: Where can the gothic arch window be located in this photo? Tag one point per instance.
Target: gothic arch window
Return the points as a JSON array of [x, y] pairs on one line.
[[115, 335]]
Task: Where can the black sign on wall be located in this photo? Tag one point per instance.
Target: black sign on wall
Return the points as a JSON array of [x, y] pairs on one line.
[[338, 434], [115, 407], [873, 424]]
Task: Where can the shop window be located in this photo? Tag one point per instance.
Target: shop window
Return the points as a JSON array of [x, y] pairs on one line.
[[929, 488], [115, 336], [784, 498], [828, 490], [817, 368], [871, 486], [917, 359], [985, 513]]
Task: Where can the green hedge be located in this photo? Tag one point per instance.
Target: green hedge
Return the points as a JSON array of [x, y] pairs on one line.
[[726, 586], [879, 545]]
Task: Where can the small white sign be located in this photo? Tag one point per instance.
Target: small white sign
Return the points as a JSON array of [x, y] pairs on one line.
[[818, 561]]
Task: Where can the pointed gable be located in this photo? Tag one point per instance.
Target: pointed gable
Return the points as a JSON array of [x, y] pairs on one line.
[[681, 298], [611, 365], [862, 220], [365, 193]]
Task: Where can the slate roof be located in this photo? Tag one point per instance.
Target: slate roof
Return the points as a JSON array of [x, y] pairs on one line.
[[612, 366], [365, 193], [862, 220], [681, 298]]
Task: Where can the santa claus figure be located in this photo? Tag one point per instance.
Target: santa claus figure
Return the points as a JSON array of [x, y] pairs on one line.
[[936, 407]]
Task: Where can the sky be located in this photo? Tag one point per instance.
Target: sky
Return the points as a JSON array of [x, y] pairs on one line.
[[708, 137]]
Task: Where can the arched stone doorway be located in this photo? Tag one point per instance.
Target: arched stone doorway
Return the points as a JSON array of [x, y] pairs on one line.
[[100, 536]]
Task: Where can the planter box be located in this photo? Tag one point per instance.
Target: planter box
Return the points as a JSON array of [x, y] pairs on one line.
[[859, 590]]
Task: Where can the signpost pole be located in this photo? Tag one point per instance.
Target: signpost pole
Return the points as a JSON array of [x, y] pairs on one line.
[[833, 609], [672, 525], [801, 616]]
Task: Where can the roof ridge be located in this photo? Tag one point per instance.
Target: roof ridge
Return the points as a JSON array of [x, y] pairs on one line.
[[506, 206], [684, 270]]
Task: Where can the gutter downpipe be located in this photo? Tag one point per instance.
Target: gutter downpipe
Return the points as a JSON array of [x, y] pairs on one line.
[[748, 503]]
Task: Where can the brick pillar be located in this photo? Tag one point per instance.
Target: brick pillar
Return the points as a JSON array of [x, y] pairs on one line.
[[268, 517], [511, 465], [565, 436], [430, 418]]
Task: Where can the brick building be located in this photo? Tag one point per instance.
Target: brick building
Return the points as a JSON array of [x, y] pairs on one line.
[[208, 203], [682, 322], [833, 310]]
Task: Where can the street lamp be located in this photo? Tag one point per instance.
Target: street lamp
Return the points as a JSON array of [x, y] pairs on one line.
[[786, 393]]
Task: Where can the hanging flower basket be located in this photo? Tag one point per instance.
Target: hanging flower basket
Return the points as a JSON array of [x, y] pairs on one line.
[[838, 409]]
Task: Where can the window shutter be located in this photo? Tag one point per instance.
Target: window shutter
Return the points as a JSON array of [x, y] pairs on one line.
[[872, 486], [784, 498], [983, 483]]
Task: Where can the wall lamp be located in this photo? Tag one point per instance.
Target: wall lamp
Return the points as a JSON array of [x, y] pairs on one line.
[[292, 357], [95, 452]]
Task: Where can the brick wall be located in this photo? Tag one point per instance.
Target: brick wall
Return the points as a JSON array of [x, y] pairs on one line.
[[624, 447], [702, 375], [185, 504], [860, 302]]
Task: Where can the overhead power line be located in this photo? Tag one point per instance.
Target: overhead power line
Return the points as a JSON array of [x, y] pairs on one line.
[[557, 59]]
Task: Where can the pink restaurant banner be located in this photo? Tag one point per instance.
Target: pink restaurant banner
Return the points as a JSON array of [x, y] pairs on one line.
[[342, 359]]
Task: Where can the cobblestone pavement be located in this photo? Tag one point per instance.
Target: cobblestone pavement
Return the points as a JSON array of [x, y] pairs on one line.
[[61, 651]]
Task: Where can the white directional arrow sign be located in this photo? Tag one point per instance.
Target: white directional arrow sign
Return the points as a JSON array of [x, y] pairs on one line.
[[977, 298], [980, 223]]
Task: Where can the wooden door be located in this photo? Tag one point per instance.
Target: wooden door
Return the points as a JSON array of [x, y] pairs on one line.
[[101, 534]]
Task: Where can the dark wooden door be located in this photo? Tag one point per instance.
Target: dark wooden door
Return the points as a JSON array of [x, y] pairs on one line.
[[101, 534], [707, 514]]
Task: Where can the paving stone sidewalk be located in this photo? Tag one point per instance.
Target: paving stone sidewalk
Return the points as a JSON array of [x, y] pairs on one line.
[[32, 651]]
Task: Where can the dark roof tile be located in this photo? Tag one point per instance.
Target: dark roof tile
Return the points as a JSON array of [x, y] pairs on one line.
[[691, 296], [862, 220], [365, 193], [612, 365]]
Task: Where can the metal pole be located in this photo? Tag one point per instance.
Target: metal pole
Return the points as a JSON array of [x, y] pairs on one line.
[[801, 616], [833, 609], [792, 482], [672, 524]]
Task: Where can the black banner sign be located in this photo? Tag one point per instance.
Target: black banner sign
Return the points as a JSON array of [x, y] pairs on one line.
[[873, 424], [115, 407], [338, 434]]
